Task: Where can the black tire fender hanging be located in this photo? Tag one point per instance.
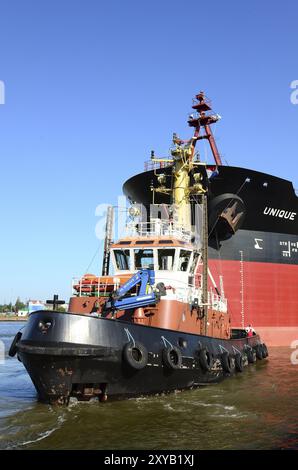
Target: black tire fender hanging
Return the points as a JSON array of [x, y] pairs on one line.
[[205, 359], [13, 347], [250, 356], [135, 355], [238, 362], [172, 357], [265, 351], [259, 351], [226, 362]]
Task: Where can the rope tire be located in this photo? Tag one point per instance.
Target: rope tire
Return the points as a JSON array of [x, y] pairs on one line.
[[13, 347], [172, 357], [135, 355]]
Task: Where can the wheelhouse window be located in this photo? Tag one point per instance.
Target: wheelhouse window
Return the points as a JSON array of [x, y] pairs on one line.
[[166, 258], [184, 258], [144, 259], [122, 258]]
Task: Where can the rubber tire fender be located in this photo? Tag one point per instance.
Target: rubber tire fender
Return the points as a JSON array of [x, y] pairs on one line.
[[205, 359], [13, 347], [172, 357], [259, 351], [135, 355], [225, 360], [265, 351], [238, 362], [251, 356]]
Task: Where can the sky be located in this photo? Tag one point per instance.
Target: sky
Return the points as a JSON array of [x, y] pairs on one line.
[[92, 86]]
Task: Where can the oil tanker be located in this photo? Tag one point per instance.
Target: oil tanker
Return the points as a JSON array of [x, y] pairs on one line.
[[253, 233]]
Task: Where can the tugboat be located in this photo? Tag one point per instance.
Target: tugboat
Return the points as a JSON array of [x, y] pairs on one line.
[[154, 321]]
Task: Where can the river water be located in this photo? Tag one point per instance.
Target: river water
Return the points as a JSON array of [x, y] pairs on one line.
[[257, 409]]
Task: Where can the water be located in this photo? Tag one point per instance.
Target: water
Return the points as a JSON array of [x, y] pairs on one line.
[[257, 409]]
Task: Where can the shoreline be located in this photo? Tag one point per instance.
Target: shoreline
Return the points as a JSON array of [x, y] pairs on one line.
[[13, 319]]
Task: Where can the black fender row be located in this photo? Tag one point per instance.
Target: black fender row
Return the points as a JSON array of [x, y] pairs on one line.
[[135, 355]]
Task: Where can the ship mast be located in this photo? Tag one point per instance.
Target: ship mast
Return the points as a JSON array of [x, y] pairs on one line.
[[188, 177], [203, 120], [108, 240], [205, 262]]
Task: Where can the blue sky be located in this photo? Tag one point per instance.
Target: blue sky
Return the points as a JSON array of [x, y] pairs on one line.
[[92, 86]]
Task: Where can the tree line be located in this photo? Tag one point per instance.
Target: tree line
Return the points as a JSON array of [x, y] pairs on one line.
[[16, 307]]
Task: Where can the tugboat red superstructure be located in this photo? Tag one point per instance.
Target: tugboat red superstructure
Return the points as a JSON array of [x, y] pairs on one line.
[[154, 321]]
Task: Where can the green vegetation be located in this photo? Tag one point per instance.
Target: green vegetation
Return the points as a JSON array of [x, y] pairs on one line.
[[19, 305]]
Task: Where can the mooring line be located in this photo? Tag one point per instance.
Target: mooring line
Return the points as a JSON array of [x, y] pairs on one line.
[[165, 341], [129, 336]]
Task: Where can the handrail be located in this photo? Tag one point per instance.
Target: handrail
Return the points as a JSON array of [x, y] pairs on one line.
[[82, 287], [158, 227], [155, 165]]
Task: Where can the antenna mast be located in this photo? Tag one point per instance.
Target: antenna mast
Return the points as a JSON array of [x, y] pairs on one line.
[[108, 241], [201, 119]]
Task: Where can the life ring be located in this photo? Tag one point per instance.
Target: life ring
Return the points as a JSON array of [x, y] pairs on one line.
[[172, 357], [135, 355], [251, 357], [259, 351], [13, 347], [205, 359], [265, 351], [238, 362], [226, 362]]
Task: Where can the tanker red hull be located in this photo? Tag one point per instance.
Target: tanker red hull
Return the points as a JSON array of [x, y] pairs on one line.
[[263, 295]]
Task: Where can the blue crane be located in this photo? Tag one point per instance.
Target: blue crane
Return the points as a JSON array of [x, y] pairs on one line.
[[119, 299]]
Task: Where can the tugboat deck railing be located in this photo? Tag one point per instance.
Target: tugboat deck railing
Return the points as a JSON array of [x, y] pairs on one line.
[[155, 165], [156, 228]]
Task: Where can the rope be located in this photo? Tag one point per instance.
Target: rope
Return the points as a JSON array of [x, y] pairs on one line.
[[165, 341], [129, 336], [90, 264]]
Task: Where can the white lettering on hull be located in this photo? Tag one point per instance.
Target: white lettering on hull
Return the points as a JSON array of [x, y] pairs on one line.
[[281, 213], [258, 242], [292, 247]]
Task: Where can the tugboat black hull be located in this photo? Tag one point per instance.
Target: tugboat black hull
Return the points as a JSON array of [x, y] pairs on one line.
[[83, 356]]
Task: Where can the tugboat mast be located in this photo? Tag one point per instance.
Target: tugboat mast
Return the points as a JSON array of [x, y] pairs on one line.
[[108, 241], [201, 119]]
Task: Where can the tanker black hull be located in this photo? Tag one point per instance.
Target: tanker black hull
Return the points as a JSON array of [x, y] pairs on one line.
[[259, 263], [84, 357]]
